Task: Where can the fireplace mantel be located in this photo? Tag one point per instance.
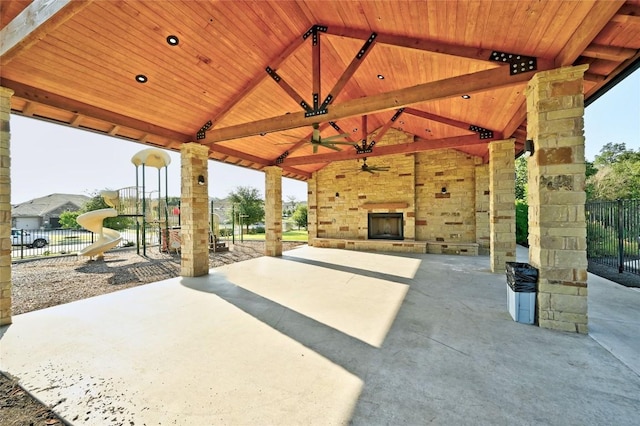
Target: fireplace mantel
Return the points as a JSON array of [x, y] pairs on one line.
[[391, 205]]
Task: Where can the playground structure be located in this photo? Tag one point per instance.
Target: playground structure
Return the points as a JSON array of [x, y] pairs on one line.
[[155, 220]]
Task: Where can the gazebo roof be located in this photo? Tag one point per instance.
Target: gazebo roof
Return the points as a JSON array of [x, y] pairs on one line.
[[250, 79]]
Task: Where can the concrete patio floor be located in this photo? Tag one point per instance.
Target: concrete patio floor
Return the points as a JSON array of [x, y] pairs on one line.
[[323, 336]]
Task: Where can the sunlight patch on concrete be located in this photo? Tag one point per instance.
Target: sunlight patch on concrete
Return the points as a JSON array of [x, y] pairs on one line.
[[359, 306]]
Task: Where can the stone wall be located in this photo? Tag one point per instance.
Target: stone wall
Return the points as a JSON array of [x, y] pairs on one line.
[[341, 196]]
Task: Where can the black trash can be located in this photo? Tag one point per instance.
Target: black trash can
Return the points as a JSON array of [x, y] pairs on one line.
[[522, 285]]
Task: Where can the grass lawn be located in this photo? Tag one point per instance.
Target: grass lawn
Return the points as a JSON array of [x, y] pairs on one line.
[[286, 236]]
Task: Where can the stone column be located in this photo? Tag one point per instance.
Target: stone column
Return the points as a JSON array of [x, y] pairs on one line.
[[483, 228], [194, 210], [502, 204], [556, 176], [5, 206], [312, 209], [273, 211]]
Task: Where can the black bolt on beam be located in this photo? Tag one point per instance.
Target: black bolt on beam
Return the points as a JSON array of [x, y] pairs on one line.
[[518, 63], [315, 100]]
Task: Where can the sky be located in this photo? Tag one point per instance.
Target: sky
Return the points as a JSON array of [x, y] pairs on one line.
[[49, 158]]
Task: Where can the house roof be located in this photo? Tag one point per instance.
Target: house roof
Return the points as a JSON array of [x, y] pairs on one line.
[[250, 79], [41, 206]]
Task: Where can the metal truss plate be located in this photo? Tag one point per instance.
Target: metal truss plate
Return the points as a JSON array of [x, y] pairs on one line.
[[282, 156], [482, 132], [518, 63], [316, 112], [203, 130]]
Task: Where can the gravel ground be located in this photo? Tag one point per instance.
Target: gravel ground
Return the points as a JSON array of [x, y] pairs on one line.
[[38, 284]]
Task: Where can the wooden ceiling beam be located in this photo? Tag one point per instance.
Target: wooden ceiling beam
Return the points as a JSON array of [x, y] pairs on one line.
[[431, 91], [405, 148], [38, 19], [253, 84], [599, 16], [413, 43], [31, 94], [446, 120], [608, 53]]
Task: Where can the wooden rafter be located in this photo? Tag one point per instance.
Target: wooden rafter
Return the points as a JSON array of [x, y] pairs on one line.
[[315, 68], [259, 78], [288, 89], [60, 102], [405, 148], [446, 88], [600, 14], [608, 53], [445, 120]]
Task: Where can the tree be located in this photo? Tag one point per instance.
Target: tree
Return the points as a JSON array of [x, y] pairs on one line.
[[300, 216], [68, 220], [248, 204], [521, 179], [118, 223], [616, 174]]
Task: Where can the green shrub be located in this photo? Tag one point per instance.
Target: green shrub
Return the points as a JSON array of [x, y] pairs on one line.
[[522, 223]]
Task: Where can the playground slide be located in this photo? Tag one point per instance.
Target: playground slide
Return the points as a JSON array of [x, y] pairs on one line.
[[107, 238]]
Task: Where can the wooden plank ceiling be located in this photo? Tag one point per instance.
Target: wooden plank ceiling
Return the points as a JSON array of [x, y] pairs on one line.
[[250, 79]]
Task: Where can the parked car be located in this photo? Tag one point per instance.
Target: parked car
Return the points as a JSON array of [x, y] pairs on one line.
[[30, 239]]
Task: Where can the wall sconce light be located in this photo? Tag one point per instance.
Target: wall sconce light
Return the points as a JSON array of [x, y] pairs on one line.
[[200, 180], [337, 194], [444, 190], [528, 148]]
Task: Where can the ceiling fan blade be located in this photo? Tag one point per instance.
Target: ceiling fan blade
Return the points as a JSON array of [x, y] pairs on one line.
[[341, 136], [331, 146]]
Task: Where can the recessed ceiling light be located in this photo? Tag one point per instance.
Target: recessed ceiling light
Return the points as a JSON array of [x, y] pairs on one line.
[[141, 78], [262, 134], [380, 77], [173, 40], [466, 96]]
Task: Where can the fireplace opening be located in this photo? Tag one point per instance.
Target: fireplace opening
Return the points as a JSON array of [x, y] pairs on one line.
[[386, 226]]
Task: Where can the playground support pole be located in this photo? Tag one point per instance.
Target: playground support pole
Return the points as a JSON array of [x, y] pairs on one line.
[[137, 215], [144, 214]]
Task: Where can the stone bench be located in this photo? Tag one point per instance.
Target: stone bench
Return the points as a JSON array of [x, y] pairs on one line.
[[445, 247]]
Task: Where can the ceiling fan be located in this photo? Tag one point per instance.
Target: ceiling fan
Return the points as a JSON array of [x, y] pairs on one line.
[[371, 169], [327, 142]]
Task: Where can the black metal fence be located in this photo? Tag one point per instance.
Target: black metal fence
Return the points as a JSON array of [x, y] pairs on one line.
[[29, 243], [613, 234]]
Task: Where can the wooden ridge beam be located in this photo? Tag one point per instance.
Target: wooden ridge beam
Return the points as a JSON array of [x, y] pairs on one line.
[[435, 90], [405, 148]]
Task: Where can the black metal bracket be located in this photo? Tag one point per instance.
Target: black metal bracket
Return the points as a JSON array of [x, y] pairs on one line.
[[482, 132], [518, 63], [366, 45], [396, 115], [203, 130], [282, 156], [314, 31], [316, 112], [364, 147], [273, 74]]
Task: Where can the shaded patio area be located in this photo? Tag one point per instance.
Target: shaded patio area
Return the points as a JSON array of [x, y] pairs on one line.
[[324, 336]]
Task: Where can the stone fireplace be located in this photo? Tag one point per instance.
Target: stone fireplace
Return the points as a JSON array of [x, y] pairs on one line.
[[385, 226]]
